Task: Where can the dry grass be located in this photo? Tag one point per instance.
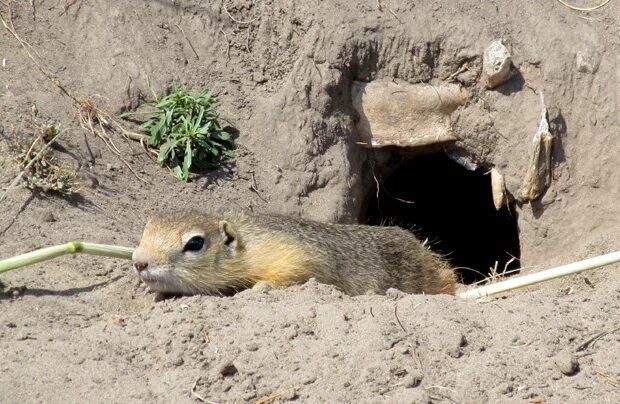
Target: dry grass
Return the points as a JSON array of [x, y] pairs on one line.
[[41, 169]]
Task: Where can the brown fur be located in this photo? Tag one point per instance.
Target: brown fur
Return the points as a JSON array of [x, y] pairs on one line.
[[242, 250]]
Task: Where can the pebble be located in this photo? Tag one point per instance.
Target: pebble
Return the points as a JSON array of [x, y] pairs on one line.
[[48, 217], [288, 395], [394, 294], [178, 361], [92, 182], [455, 346], [252, 347], [588, 61], [496, 64], [567, 363], [261, 287], [413, 379], [227, 368]]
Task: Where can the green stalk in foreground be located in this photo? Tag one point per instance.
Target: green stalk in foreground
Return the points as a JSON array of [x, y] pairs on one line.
[[71, 247]]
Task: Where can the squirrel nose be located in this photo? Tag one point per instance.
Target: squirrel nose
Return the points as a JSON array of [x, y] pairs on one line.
[[140, 266]]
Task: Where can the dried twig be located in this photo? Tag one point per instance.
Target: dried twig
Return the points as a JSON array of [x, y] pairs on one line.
[[398, 319], [400, 339], [198, 396], [380, 185], [188, 41], [608, 378], [27, 166], [268, 399], [227, 44], [67, 6], [87, 111], [380, 7], [27, 47], [91, 116], [254, 187], [595, 338], [461, 69]]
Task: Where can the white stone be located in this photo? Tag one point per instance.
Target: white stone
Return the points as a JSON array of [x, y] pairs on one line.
[[496, 64]]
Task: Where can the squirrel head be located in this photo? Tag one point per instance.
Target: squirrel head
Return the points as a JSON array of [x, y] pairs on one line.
[[183, 253]]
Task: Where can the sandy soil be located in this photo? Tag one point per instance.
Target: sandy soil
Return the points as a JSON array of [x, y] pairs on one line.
[[82, 329]]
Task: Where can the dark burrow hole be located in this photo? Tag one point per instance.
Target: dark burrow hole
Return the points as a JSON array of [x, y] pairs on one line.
[[452, 208]]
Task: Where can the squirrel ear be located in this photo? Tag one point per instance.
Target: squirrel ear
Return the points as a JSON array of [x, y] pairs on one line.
[[229, 234]]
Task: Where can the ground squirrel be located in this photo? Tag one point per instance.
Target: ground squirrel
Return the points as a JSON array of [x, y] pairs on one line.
[[198, 253]]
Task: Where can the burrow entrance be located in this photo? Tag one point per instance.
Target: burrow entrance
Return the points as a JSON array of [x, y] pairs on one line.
[[452, 208]]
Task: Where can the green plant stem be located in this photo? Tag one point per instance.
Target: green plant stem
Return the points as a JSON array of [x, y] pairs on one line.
[[537, 277], [71, 247]]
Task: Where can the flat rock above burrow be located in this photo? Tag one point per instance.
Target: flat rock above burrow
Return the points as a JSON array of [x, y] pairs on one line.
[[392, 114]]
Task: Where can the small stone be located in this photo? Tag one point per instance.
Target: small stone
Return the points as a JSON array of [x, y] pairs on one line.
[[252, 347], [413, 379], [109, 167], [506, 389], [288, 395], [92, 182], [496, 64], [291, 334], [261, 287], [48, 217], [398, 371], [227, 369], [259, 78], [11, 324], [588, 61], [309, 380], [455, 347], [567, 363], [178, 361]]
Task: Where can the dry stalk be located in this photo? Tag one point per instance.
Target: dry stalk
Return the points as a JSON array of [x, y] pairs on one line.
[[19, 176], [188, 41], [94, 121], [88, 113], [398, 319]]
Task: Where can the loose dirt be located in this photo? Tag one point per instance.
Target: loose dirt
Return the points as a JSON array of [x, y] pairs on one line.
[[82, 329]]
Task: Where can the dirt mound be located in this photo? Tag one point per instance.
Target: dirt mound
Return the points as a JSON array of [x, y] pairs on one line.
[[283, 71]]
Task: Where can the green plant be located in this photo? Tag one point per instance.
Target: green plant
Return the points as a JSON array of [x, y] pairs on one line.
[[187, 131]]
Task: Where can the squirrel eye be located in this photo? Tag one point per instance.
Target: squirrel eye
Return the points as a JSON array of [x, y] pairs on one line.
[[194, 244]]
